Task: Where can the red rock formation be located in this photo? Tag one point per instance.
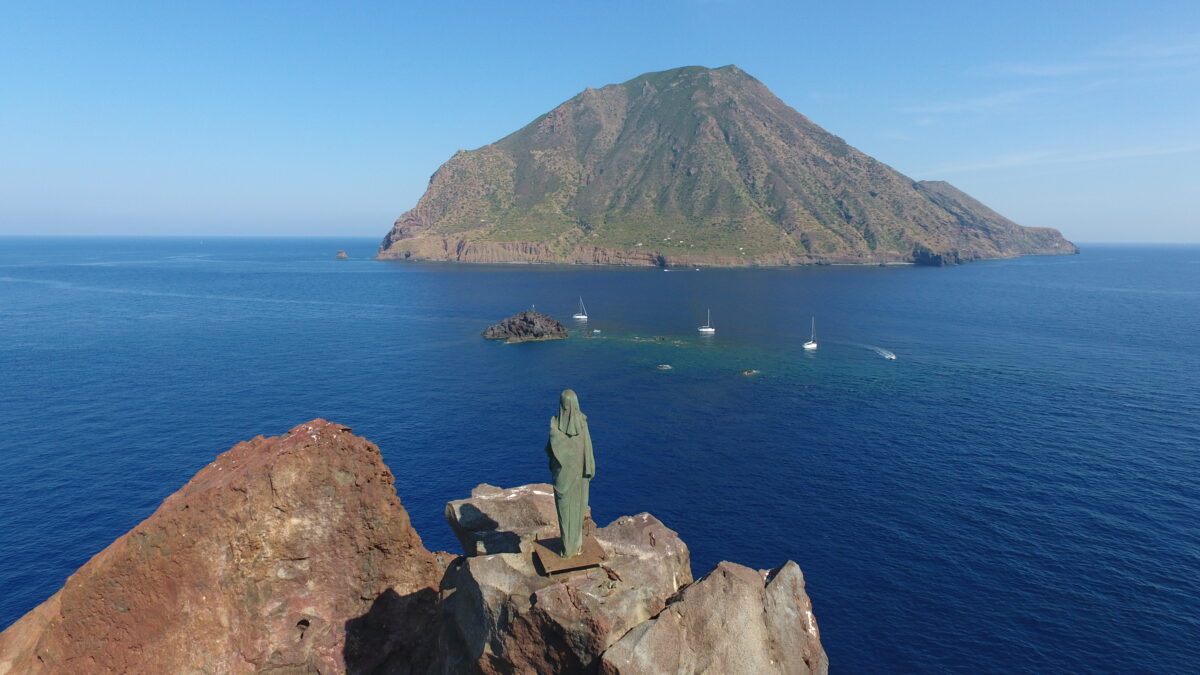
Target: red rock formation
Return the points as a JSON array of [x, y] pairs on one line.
[[289, 553], [293, 554]]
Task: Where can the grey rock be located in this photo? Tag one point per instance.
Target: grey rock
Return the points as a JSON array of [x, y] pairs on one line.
[[501, 616], [505, 520], [526, 326], [734, 620], [791, 622]]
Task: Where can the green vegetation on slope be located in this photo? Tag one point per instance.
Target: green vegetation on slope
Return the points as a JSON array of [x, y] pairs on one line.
[[700, 164]]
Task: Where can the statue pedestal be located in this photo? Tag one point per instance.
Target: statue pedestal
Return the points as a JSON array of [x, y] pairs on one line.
[[549, 562]]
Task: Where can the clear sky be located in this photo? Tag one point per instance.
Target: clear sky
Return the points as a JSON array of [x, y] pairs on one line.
[[328, 118]]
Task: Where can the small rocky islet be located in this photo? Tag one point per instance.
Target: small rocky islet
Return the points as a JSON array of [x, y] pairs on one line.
[[531, 326], [294, 554], [527, 326]]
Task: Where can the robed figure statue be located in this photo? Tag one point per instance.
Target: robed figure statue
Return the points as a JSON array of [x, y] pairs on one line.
[[573, 466]]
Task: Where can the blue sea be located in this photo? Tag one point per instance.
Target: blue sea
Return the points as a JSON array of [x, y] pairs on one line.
[[1017, 491]]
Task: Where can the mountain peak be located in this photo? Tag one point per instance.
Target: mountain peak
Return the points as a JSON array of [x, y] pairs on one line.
[[697, 75]]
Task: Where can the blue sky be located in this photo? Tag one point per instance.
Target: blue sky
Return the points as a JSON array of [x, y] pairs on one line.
[[264, 118]]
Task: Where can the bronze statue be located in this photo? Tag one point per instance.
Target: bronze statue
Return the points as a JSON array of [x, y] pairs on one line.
[[573, 466]]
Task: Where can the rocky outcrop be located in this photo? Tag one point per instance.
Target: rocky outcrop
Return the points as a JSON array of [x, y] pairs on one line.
[[691, 166], [637, 613], [525, 327], [502, 616], [286, 554], [293, 555], [923, 256], [734, 620]]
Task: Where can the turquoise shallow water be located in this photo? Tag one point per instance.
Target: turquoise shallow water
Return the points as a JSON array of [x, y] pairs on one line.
[[1018, 491]]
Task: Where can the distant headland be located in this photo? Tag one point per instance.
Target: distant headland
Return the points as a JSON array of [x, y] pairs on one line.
[[693, 166]]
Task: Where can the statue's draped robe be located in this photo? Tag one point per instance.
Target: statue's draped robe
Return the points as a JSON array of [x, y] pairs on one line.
[[573, 465]]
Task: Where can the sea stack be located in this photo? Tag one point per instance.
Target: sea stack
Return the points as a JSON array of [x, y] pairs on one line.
[[526, 326], [693, 166]]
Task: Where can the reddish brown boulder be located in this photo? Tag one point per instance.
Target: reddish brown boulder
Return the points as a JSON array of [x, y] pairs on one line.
[[286, 554]]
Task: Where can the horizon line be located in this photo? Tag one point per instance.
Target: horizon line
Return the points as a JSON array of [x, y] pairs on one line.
[[94, 235]]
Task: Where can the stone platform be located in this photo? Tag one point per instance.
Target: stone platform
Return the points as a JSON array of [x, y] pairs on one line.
[[549, 562]]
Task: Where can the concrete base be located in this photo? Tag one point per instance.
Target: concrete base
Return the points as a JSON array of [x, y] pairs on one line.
[[549, 562]]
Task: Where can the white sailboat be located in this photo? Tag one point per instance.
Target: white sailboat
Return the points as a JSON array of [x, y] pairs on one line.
[[812, 341], [582, 313], [707, 328]]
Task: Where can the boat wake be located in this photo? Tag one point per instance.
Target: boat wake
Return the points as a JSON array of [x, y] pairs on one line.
[[885, 353]]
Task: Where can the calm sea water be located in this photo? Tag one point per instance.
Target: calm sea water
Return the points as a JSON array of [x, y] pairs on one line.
[[1019, 490]]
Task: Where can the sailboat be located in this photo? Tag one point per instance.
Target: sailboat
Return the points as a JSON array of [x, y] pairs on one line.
[[812, 341], [707, 328], [582, 313]]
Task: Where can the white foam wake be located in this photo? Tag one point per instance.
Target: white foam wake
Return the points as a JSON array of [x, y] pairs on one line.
[[885, 353]]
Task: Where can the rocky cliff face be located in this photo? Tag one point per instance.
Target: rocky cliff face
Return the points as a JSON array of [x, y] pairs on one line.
[[288, 554], [692, 166], [293, 555]]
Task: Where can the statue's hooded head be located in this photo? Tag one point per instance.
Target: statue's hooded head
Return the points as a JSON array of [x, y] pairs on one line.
[[570, 417]]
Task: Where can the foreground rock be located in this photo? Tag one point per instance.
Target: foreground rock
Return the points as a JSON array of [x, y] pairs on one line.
[[734, 620], [288, 554], [501, 616], [638, 613], [526, 326], [293, 555]]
